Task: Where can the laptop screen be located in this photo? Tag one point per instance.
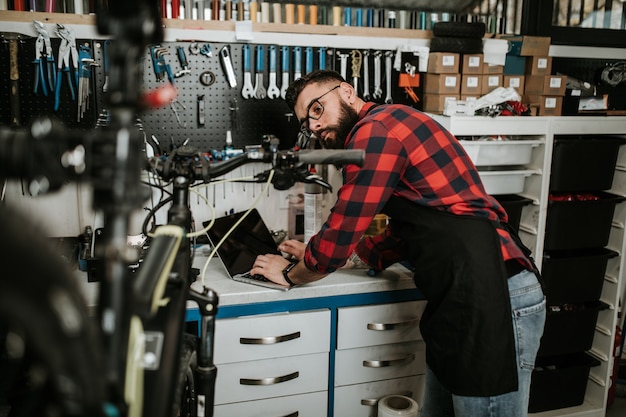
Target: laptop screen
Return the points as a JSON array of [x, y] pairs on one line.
[[244, 244]]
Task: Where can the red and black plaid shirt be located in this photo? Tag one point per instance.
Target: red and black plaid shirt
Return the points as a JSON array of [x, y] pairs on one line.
[[409, 155]]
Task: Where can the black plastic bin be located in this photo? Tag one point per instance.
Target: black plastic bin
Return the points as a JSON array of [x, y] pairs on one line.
[[574, 276], [560, 381], [570, 329], [583, 163], [513, 204], [580, 224]]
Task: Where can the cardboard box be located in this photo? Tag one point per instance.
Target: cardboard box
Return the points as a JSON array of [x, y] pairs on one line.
[[514, 81], [539, 65], [435, 103], [442, 83], [491, 82], [528, 45], [514, 65], [471, 84], [472, 64], [547, 105], [547, 85], [443, 63], [492, 68]]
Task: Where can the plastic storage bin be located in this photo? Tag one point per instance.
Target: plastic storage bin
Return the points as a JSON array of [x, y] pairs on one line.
[[570, 329], [504, 182], [583, 163], [580, 224], [574, 276], [500, 152], [513, 204], [560, 381]]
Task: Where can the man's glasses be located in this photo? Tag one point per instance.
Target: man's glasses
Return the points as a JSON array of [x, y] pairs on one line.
[[314, 111]]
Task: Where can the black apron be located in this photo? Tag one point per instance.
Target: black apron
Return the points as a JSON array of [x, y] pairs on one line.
[[467, 324]]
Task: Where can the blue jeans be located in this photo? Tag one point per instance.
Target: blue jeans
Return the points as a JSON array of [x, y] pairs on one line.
[[528, 309]]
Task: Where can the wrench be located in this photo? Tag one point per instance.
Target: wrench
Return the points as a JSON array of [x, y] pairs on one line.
[[378, 91], [343, 58], [388, 56], [259, 89], [357, 59], [297, 62], [308, 59], [248, 90], [366, 76], [272, 90], [322, 58], [284, 55]]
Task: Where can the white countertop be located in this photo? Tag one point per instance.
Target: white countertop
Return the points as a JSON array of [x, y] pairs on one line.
[[342, 282]]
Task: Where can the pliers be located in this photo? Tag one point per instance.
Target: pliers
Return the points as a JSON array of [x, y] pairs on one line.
[[44, 71], [67, 51]]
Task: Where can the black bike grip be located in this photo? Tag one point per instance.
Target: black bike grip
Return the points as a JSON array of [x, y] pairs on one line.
[[328, 156]]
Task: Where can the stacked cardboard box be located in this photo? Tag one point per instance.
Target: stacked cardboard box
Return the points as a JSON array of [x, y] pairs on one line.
[[442, 81], [528, 64]]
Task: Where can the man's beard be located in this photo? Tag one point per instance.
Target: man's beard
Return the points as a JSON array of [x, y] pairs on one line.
[[347, 120]]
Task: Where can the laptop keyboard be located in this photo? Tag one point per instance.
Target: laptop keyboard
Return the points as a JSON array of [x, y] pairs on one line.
[[255, 277]]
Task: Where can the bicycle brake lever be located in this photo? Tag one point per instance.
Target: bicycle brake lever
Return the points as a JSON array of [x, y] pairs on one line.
[[316, 179]]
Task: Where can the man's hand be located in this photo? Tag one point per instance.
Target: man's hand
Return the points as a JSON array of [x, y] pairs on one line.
[[295, 248], [271, 267]]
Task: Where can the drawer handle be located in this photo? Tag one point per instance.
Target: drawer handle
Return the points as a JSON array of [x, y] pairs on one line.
[[269, 340], [296, 414], [269, 381], [393, 362], [374, 401], [392, 326]]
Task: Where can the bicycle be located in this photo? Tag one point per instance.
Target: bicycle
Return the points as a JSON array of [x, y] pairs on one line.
[[136, 359]]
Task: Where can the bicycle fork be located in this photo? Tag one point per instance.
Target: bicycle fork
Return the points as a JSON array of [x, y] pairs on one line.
[[206, 371]]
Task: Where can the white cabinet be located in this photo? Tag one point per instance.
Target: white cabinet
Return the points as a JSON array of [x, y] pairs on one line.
[[380, 352], [263, 359]]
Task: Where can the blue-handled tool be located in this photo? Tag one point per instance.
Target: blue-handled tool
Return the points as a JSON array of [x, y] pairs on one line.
[[259, 90], [247, 91], [297, 62], [272, 88], [322, 58], [284, 67], [308, 59]]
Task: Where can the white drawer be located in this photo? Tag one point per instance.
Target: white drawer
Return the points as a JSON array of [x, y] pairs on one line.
[[361, 400], [374, 363], [379, 324], [304, 405], [245, 381], [271, 336]]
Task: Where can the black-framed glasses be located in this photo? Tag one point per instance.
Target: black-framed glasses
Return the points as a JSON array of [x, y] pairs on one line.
[[314, 111]]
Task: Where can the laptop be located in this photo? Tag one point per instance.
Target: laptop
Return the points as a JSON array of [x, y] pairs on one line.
[[238, 252]]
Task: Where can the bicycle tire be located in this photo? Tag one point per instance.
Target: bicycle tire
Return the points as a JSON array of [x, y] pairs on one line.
[[43, 310], [474, 30], [457, 45], [185, 395]]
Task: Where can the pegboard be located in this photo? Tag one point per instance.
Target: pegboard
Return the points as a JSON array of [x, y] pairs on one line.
[[35, 104]]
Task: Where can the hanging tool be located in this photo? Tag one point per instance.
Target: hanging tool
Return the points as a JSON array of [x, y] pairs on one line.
[[40, 72], [173, 107], [247, 90], [14, 76], [259, 89], [201, 110], [227, 65], [284, 58], [366, 76], [357, 59], [321, 58], [161, 68], [43, 49], [182, 59], [378, 91], [343, 59], [272, 89], [105, 59], [388, 64], [234, 115], [68, 63], [86, 60], [297, 62], [206, 50], [308, 59]]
